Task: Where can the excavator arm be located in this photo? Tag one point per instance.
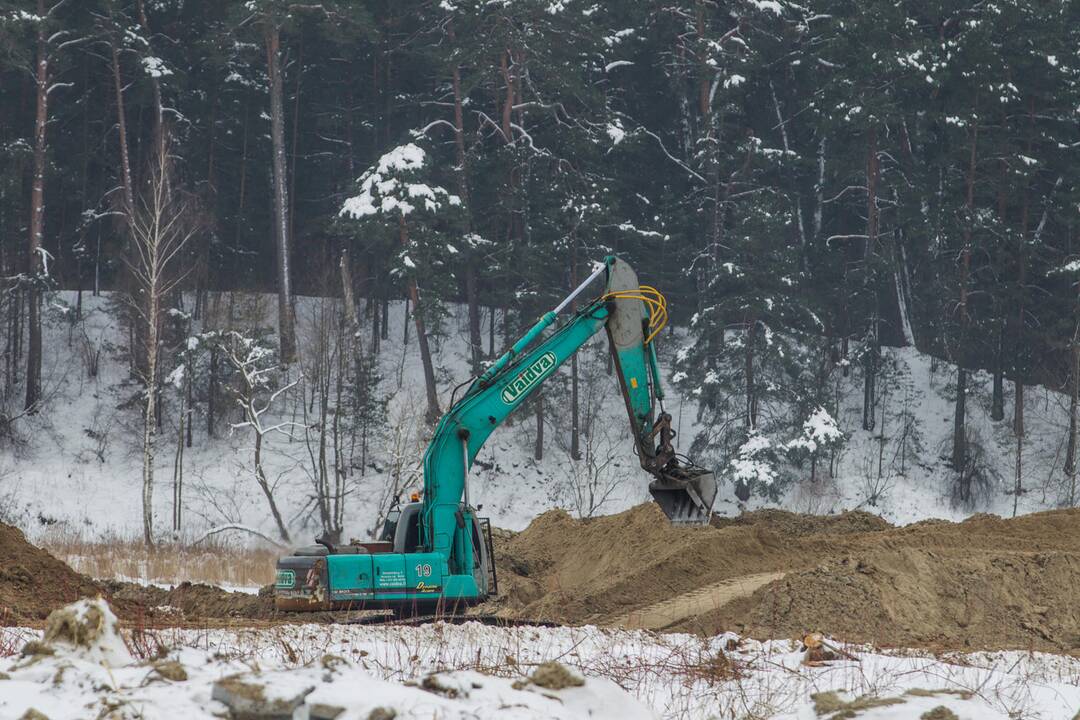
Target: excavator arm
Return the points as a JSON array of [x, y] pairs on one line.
[[632, 316]]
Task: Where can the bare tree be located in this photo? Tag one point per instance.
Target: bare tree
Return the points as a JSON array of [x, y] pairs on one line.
[[254, 364], [590, 477], [403, 451], [324, 366], [161, 226]]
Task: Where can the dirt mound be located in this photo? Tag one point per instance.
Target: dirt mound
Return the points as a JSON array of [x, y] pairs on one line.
[[33, 583], [195, 601], [983, 583], [789, 523], [591, 570], [918, 597]]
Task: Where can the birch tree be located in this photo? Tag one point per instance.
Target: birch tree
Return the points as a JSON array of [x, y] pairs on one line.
[[161, 226]]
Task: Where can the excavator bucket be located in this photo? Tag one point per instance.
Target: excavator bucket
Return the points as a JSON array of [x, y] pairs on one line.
[[686, 497]]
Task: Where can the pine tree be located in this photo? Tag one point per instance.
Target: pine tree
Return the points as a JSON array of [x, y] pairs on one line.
[[395, 195]]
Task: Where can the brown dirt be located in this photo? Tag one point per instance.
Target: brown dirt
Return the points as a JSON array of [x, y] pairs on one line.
[[983, 583], [789, 523], [597, 569], [196, 601], [33, 583]]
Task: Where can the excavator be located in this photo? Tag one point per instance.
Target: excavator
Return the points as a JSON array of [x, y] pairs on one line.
[[435, 554]]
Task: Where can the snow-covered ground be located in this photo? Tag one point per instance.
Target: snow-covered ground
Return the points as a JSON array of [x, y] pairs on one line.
[[76, 468], [473, 671]]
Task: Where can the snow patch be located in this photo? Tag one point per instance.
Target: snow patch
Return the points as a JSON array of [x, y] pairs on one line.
[[155, 67]]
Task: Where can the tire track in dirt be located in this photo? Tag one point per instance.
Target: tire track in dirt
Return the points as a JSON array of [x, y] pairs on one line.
[[692, 604]]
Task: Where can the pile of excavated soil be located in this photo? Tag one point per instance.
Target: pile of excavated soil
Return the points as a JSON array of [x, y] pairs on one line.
[[985, 583], [788, 523], [593, 570], [32, 582], [194, 601]]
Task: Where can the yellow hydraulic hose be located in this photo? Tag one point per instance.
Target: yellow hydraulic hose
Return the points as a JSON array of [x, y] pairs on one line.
[[655, 303]]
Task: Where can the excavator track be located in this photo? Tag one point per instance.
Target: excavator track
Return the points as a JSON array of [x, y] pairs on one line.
[[415, 620]]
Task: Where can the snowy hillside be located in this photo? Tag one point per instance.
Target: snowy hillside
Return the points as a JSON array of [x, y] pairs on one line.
[[75, 467]]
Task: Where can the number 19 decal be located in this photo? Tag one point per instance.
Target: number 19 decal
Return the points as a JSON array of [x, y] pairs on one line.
[[423, 570]]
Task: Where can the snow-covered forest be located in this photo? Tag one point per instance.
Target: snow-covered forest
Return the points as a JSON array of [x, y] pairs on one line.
[[248, 250]]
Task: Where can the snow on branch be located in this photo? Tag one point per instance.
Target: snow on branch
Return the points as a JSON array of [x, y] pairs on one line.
[[391, 187], [239, 528]]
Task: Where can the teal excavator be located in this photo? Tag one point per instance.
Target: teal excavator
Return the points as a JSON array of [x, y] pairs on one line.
[[434, 554]]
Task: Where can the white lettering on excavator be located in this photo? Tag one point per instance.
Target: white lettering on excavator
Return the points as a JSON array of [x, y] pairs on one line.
[[528, 377]]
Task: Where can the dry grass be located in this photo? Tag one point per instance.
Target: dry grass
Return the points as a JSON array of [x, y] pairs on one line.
[[213, 563]]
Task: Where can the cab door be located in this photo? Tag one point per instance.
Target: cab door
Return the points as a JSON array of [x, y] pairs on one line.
[[351, 577]]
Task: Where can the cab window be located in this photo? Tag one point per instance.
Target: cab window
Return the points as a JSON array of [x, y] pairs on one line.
[[389, 527], [476, 544]]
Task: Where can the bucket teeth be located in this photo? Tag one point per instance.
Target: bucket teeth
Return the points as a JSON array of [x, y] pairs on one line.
[[686, 498]]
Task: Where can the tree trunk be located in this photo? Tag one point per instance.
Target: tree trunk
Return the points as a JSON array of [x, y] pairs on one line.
[[471, 294], [476, 350], [37, 220], [384, 330], [295, 136], [870, 255], [155, 84], [178, 470], [286, 327], [211, 393], [997, 396], [150, 420], [1018, 429], [575, 420], [751, 390], [264, 485], [1074, 420], [121, 127], [242, 192], [433, 411], [1018, 340], [959, 449]]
